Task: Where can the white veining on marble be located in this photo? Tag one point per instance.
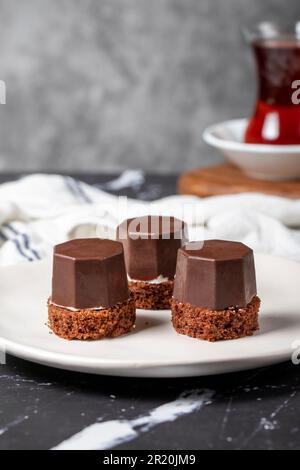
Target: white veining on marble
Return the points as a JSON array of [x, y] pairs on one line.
[[109, 434], [12, 424], [269, 423], [226, 416], [17, 379]]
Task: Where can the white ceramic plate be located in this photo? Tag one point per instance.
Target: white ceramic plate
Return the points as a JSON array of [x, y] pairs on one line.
[[153, 349], [262, 161]]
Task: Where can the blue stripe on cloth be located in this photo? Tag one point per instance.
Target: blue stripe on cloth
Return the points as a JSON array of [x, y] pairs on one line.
[[76, 188], [82, 192], [25, 239], [15, 241], [69, 183], [28, 247]]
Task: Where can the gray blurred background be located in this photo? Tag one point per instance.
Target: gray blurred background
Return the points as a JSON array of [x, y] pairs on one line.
[[104, 85]]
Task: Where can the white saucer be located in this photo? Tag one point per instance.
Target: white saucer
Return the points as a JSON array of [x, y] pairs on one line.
[[271, 162], [153, 349]]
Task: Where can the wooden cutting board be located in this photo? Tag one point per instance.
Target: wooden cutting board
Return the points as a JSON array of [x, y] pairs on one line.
[[228, 179]]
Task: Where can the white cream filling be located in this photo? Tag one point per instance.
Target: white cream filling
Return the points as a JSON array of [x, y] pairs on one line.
[[72, 309], [158, 280]]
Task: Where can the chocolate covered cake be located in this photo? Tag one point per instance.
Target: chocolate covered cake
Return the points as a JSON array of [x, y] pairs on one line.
[[150, 246], [215, 291], [90, 296]]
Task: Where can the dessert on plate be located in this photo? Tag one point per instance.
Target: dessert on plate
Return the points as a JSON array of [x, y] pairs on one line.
[[90, 296], [150, 246], [215, 295]]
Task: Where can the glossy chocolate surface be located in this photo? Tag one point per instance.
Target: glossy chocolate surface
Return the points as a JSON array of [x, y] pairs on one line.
[[89, 273], [219, 275], [150, 245]]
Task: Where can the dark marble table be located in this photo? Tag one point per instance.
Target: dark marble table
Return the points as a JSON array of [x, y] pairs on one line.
[[41, 407]]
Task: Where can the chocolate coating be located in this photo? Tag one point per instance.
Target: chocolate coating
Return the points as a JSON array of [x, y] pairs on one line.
[[89, 273], [219, 275], [150, 245]]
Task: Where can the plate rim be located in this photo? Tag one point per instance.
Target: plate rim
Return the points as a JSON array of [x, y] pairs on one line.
[[11, 347]]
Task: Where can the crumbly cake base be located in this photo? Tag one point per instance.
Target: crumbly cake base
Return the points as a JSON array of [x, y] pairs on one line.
[[88, 324], [152, 296], [215, 325]]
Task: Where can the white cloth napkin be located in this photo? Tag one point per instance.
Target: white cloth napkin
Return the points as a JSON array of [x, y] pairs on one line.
[[39, 211]]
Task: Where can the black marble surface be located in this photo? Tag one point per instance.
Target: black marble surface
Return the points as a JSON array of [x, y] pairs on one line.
[[258, 409]]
